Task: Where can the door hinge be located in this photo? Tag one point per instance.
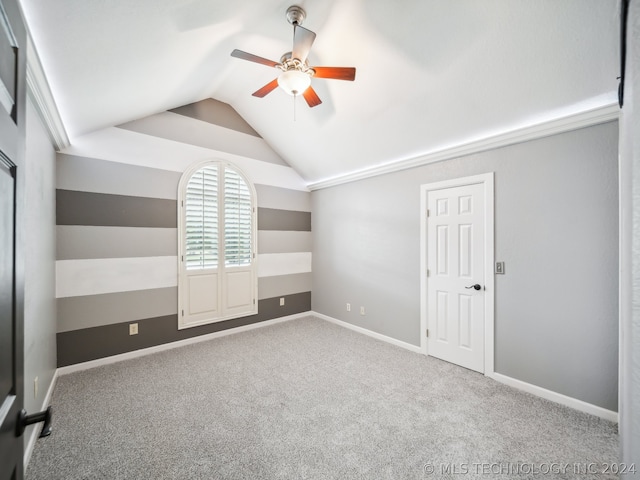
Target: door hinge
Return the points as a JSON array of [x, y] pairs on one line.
[[182, 203], [427, 333], [428, 273], [427, 212], [254, 301], [182, 258]]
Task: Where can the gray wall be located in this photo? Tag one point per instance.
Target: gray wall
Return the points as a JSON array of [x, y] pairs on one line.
[[40, 238], [116, 213], [630, 291], [556, 222]]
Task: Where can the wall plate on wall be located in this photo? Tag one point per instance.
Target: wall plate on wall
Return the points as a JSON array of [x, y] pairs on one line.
[[500, 268]]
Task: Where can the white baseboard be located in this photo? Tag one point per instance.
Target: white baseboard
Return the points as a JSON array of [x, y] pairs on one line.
[[35, 432], [369, 333], [556, 397], [168, 346]]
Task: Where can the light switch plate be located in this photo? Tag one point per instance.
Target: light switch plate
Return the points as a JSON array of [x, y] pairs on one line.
[[500, 268]]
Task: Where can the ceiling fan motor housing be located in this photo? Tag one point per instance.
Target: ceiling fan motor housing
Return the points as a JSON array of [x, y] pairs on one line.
[[287, 63]]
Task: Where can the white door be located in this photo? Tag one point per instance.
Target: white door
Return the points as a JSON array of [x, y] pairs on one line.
[[456, 276]]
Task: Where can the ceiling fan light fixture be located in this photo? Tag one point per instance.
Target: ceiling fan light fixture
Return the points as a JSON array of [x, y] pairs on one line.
[[294, 82], [295, 78]]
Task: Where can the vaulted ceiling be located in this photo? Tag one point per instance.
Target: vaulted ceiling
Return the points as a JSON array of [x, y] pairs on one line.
[[430, 73]]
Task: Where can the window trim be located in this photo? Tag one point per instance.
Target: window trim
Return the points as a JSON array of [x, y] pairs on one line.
[[222, 267]]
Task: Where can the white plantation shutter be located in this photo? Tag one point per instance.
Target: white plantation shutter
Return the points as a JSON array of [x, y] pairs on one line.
[[217, 220], [237, 220], [201, 227]]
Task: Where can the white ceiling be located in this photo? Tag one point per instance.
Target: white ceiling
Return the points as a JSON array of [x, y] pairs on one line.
[[430, 73]]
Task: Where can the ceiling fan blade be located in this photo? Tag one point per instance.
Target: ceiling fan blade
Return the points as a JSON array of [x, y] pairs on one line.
[[302, 41], [337, 73], [268, 88], [253, 58], [312, 98]]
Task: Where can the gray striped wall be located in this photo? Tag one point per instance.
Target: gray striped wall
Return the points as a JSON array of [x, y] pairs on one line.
[[117, 229]]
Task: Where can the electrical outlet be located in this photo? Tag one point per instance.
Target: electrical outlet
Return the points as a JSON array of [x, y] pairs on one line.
[[133, 329], [282, 301], [362, 311], [348, 307], [35, 387]]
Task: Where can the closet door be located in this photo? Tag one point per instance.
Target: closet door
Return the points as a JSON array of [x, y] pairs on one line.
[[12, 123]]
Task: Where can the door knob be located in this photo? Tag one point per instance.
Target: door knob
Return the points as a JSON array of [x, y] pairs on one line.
[[477, 286], [25, 420]]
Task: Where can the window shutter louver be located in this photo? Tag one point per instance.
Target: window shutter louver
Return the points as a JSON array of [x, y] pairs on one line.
[[201, 215], [237, 220]]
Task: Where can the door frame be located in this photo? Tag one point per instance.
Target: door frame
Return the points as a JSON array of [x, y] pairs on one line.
[[12, 146], [487, 180]]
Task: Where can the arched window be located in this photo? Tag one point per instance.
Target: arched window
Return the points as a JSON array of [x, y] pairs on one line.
[[217, 245]]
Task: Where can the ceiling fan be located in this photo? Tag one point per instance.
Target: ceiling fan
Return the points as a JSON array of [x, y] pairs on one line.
[[295, 78]]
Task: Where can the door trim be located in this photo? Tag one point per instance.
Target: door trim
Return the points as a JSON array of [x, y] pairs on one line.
[[487, 180]]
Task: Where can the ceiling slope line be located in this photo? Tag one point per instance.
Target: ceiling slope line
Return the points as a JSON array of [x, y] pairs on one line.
[[561, 124], [42, 98]]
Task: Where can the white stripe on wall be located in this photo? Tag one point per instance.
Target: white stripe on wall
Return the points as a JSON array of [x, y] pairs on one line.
[[124, 146], [272, 264], [111, 275]]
